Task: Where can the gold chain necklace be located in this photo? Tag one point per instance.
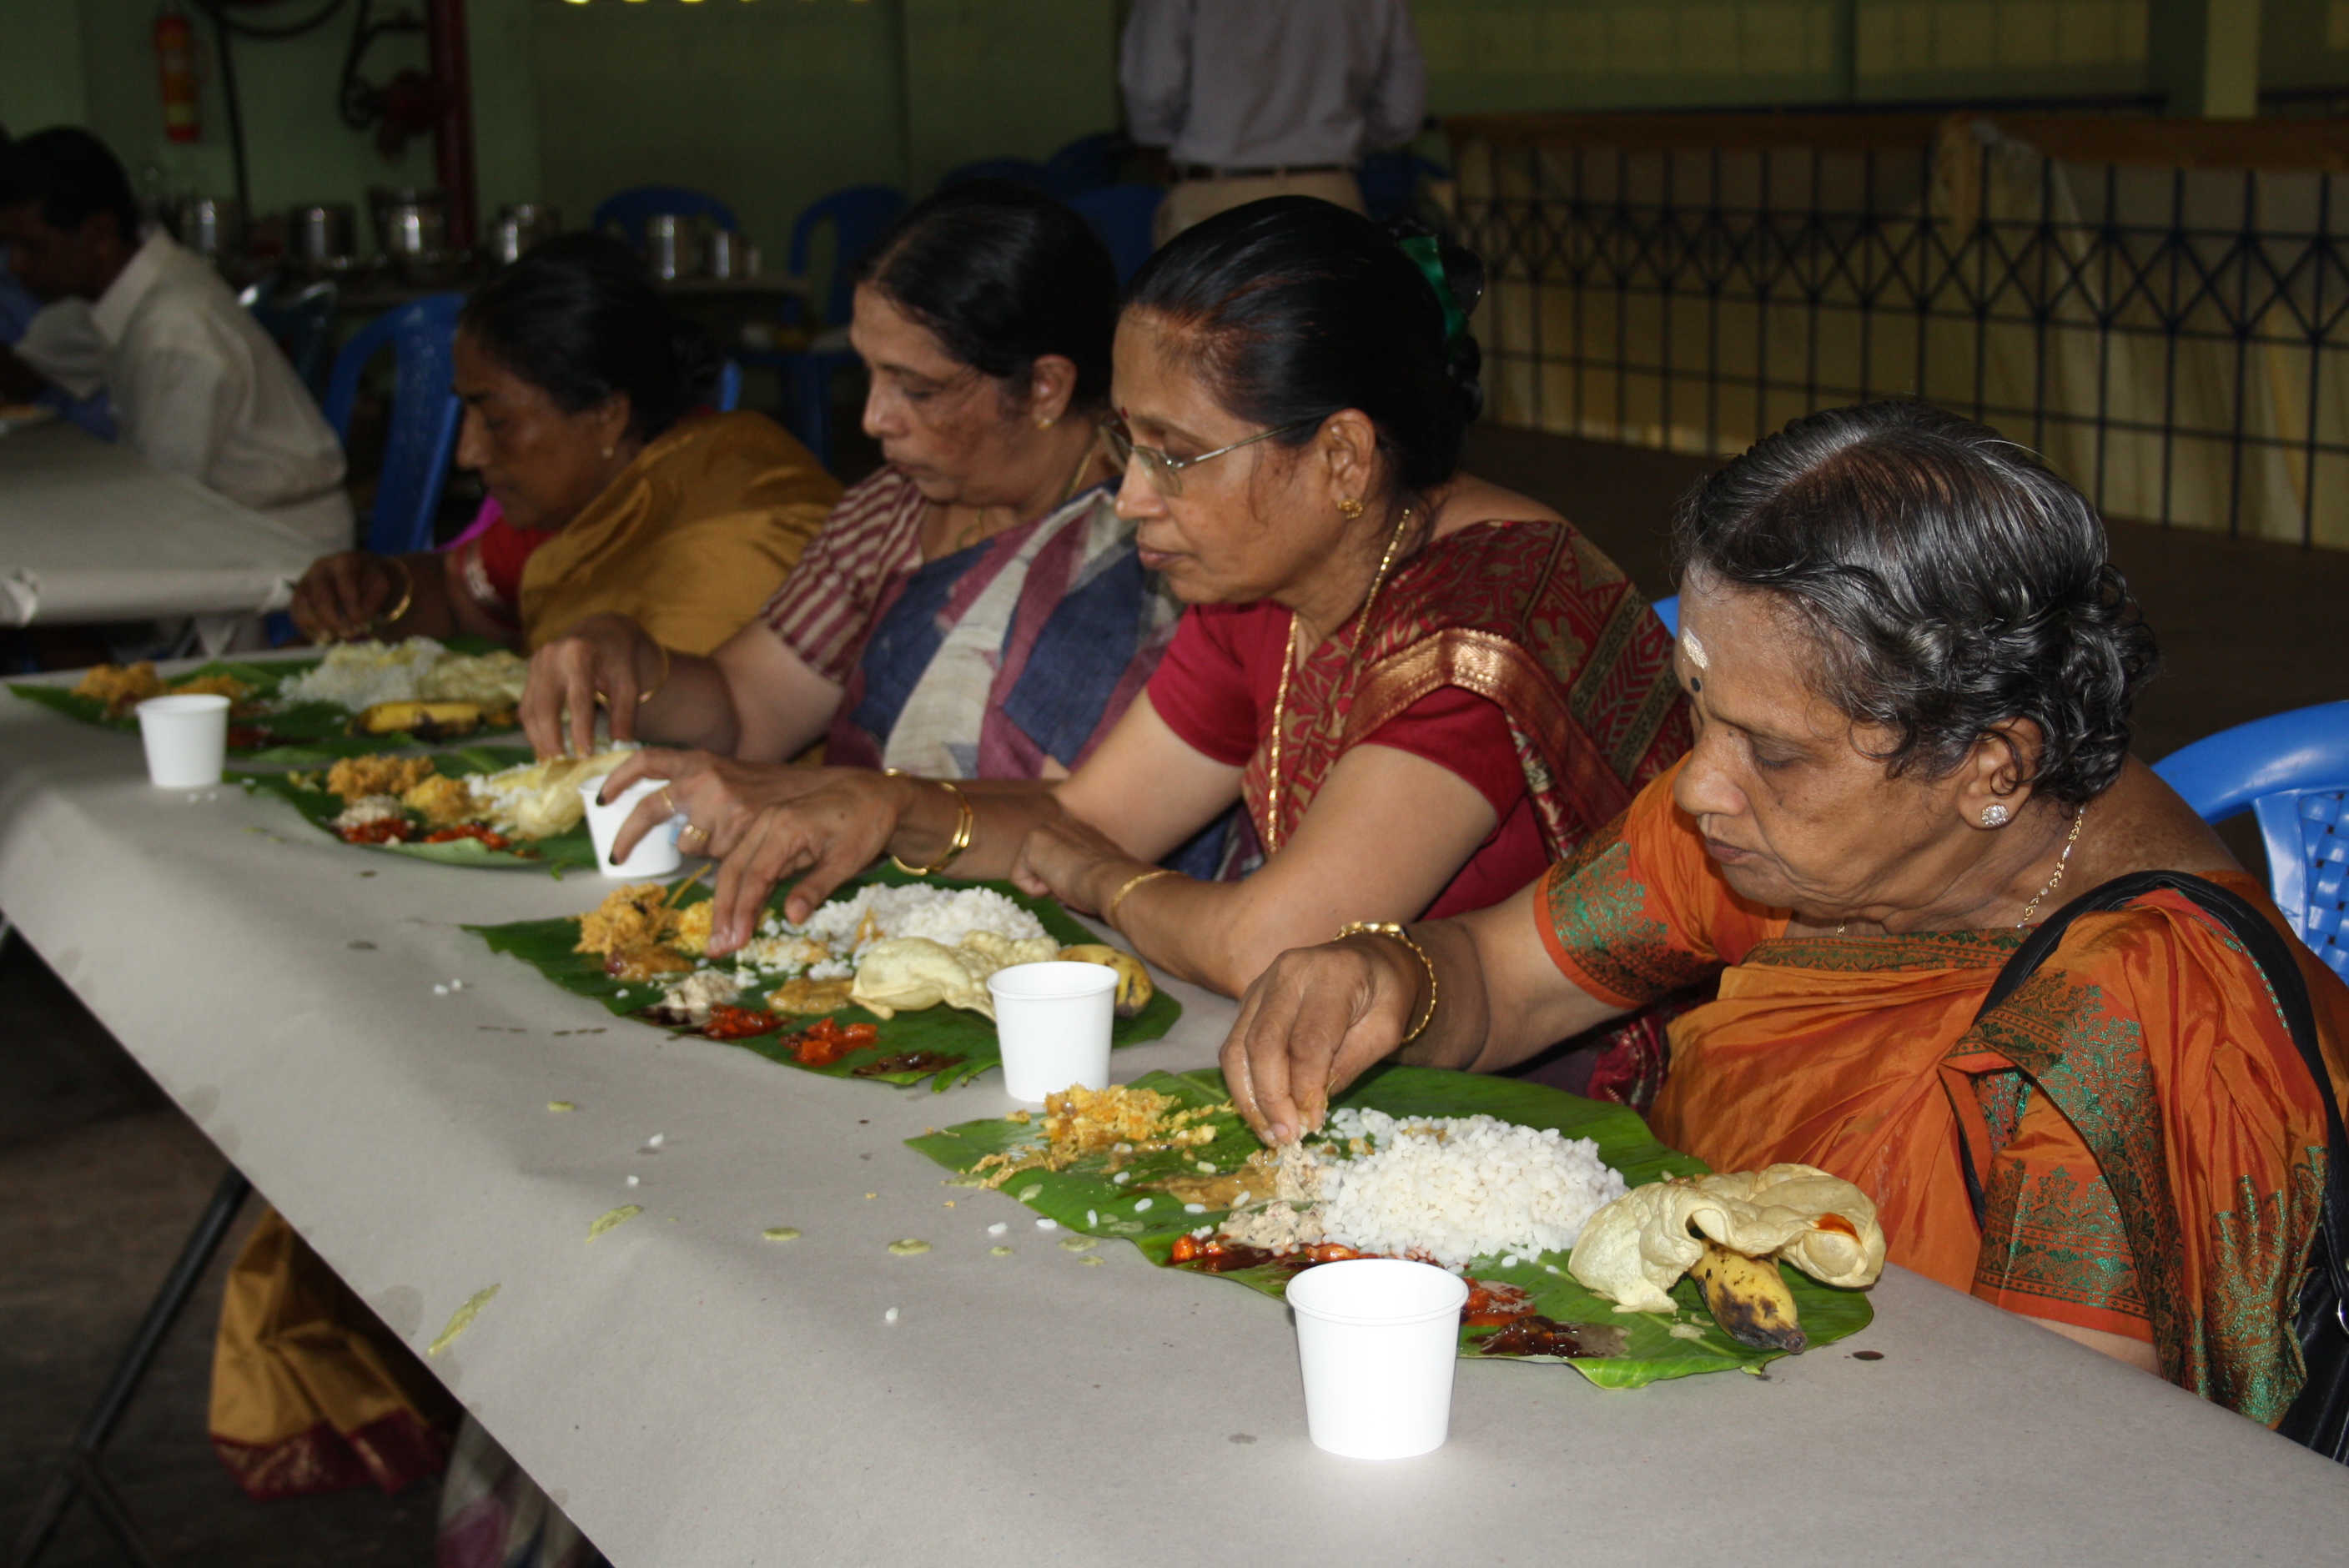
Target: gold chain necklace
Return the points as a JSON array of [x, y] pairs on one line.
[[1272, 790], [976, 530], [2063, 863]]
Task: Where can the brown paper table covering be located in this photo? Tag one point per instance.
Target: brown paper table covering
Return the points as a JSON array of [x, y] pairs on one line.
[[695, 1395], [89, 530]]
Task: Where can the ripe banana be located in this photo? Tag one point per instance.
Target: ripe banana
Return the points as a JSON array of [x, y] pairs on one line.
[[1749, 1299], [425, 720], [1133, 988]]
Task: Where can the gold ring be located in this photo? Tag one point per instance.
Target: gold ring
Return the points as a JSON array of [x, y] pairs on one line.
[[692, 828], [601, 700], [668, 800]]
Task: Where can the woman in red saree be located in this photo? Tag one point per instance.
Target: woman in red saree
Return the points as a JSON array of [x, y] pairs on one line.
[[1911, 668], [1378, 648]]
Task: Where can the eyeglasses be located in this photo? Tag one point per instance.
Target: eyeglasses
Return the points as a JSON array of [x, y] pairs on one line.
[[1166, 473]]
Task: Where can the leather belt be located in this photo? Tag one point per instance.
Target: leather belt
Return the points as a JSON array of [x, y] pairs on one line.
[[1208, 171]]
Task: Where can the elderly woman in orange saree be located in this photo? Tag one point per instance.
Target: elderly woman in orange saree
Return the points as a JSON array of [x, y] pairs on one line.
[[1911, 666]]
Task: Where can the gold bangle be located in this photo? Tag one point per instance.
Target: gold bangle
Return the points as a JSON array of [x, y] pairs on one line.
[[644, 696], [1109, 909], [961, 839], [407, 597], [1389, 928], [659, 681]]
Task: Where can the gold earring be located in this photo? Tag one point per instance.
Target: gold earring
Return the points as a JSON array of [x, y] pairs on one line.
[[1044, 421], [1350, 510], [607, 451]]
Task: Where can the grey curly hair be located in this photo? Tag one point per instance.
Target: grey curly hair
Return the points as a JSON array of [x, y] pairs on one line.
[[1952, 580]]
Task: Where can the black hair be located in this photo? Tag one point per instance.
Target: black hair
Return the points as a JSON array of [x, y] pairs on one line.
[[1002, 275], [1297, 308], [577, 317], [72, 175], [1951, 580]]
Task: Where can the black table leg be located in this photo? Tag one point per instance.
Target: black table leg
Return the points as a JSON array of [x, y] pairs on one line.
[[80, 1473]]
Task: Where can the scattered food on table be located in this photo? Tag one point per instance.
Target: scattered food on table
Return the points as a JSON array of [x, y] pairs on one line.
[[619, 1217], [461, 1320]]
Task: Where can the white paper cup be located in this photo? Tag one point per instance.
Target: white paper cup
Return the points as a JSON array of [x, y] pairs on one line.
[[1053, 1021], [655, 854], [1378, 1338], [186, 739]]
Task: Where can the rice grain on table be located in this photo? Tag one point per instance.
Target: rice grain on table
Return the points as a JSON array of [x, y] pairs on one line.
[[1453, 1189]]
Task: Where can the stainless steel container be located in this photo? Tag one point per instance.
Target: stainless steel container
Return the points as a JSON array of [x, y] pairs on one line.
[[410, 223], [671, 247], [325, 234], [211, 226], [519, 227], [727, 255]]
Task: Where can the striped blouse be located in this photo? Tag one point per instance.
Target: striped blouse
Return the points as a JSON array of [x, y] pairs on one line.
[[826, 606]]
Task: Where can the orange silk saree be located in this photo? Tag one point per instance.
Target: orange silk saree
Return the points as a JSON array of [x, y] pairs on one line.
[[2151, 1148]]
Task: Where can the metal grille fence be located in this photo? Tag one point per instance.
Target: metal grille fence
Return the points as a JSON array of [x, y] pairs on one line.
[[2157, 306]]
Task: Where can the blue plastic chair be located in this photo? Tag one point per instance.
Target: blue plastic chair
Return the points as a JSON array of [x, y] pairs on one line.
[[1086, 164], [299, 325], [628, 210], [2291, 771], [1125, 217], [1019, 171], [1390, 181], [1668, 611], [425, 415], [857, 214]]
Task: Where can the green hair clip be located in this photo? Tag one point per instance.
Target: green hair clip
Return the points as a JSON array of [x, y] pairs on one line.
[[1426, 253]]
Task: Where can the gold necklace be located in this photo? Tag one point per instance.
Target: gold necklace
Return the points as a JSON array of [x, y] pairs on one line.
[[2063, 863], [1272, 790], [964, 538]]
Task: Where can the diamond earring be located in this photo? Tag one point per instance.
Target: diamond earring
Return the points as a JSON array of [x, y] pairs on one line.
[[1996, 816]]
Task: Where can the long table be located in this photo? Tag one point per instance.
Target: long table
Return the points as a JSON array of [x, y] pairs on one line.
[[693, 1394], [89, 530]]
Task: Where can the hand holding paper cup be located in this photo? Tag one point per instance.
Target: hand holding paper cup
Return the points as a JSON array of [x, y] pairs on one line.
[[655, 854], [186, 739], [1377, 1339], [1053, 1021]]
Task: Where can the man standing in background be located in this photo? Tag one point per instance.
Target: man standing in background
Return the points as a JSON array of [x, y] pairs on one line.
[[1253, 98]]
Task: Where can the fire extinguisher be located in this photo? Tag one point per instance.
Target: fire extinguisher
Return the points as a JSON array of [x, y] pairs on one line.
[[175, 65]]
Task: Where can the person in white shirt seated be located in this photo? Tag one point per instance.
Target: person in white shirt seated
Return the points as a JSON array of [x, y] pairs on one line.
[[198, 387]]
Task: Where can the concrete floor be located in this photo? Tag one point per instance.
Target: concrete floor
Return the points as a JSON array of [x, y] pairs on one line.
[[99, 1178]]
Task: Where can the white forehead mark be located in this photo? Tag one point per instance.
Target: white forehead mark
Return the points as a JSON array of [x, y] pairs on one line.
[[1695, 651]]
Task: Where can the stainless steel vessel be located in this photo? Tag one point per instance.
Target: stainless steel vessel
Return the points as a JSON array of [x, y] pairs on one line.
[[211, 226], [324, 235], [519, 227], [671, 246], [727, 255]]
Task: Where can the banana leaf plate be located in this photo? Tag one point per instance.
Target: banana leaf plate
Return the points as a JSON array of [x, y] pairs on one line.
[[943, 1045], [1084, 1200], [569, 851], [296, 736]]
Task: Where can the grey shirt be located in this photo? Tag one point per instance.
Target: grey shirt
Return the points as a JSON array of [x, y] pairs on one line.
[[1250, 83]]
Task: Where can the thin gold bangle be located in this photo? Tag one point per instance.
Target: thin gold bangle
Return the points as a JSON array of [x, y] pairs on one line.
[[407, 597], [1109, 909], [961, 839], [1389, 928], [659, 681]]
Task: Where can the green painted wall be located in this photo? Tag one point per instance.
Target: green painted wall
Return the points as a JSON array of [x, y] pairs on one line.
[[770, 103], [764, 105]]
